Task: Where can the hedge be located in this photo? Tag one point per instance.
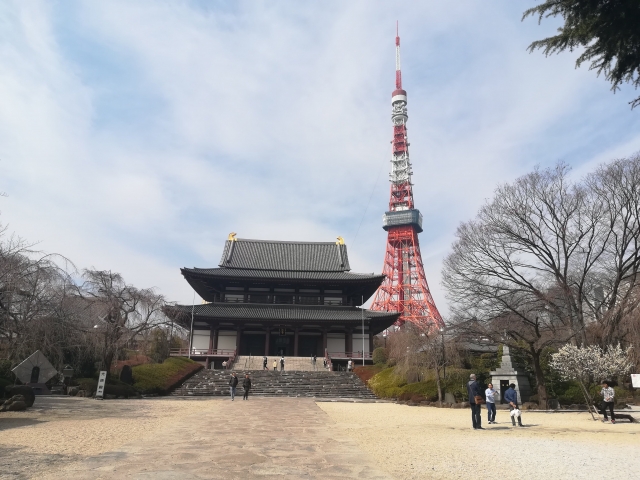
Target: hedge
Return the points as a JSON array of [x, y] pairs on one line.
[[387, 384], [161, 378]]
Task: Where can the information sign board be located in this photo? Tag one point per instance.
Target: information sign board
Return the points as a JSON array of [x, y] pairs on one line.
[[635, 380], [101, 382]]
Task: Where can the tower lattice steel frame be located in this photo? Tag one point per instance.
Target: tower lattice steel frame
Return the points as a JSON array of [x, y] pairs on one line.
[[405, 287]]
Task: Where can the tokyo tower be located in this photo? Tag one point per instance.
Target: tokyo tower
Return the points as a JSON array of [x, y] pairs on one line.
[[405, 287]]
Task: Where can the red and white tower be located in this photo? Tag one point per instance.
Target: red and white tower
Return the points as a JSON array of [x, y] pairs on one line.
[[405, 287]]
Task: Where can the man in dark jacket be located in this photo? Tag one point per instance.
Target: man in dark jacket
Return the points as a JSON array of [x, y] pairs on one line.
[[264, 363], [246, 385], [473, 389], [511, 396], [233, 383]]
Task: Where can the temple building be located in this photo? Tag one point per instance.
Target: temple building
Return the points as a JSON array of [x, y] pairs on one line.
[[281, 298]]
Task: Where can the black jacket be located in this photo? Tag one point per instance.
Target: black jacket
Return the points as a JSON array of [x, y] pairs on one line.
[[473, 389], [233, 381], [246, 383]]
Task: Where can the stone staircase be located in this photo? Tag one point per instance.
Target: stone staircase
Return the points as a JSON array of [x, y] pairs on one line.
[[301, 364], [319, 384]]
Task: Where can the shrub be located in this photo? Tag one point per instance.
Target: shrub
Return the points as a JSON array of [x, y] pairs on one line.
[[4, 383], [89, 385], [367, 372], [380, 356], [161, 378]]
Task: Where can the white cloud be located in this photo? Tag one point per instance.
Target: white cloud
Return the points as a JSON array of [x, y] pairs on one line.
[[136, 135]]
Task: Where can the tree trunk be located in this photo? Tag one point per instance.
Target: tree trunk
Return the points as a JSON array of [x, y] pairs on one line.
[[438, 385], [540, 380]]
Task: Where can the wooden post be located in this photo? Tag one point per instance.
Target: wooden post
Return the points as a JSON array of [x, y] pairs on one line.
[[266, 341], [238, 336], [212, 334], [324, 339], [370, 341], [215, 337], [295, 343]]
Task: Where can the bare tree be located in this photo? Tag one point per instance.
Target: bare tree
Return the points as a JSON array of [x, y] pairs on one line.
[[547, 257], [120, 311]]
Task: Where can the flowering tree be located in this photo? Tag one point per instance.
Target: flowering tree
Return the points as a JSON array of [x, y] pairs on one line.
[[582, 363]]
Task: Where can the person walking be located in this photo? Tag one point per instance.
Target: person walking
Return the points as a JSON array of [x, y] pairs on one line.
[[475, 400], [511, 396], [608, 394], [314, 361], [233, 383], [275, 365], [490, 396], [349, 366], [282, 363], [264, 363], [246, 385]]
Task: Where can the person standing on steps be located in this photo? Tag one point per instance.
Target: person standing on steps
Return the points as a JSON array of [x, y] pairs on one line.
[[608, 394], [233, 383], [246, 385], [264, 363], [490, 395], [314, 361], [282, 363], [511, 396], [349, 366], [475, 400], [275, 365]]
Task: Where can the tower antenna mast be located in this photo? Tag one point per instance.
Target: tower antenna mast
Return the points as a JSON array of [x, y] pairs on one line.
[[405, 287]]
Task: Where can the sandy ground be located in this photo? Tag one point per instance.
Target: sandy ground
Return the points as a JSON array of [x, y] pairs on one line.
[[76, 438], [426, 442]]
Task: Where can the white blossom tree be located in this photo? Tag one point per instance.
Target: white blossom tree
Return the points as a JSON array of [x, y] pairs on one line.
[[583, 363]]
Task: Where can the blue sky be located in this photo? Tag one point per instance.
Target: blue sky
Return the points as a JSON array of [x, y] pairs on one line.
[[134, 136]]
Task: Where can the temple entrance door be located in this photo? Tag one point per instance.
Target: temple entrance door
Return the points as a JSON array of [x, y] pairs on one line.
[[504, 385], [252, 344], [308, 345], [281, 345]]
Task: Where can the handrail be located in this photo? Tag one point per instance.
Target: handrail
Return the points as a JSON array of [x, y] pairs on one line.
[[349, 355], [202, 351]]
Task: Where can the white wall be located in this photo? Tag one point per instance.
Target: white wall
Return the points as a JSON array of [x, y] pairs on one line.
[[227, 340], [357, 342], [200, 340], [335, 342]]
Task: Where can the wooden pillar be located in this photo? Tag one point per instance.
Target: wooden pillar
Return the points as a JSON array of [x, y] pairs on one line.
[[348, 341], [215, 337], [324, 341], [370, 341], [207, 363], [295, 343], [238, 336], [267, 338], [212, 334]]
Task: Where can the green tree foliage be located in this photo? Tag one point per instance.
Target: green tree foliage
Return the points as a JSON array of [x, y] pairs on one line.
[[380, 355], [608, 30]]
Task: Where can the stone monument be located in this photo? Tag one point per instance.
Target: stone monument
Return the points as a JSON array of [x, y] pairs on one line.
[[35, 371], [506, 374]]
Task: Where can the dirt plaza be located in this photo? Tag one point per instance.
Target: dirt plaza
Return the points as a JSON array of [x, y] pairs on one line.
[[167, 438]]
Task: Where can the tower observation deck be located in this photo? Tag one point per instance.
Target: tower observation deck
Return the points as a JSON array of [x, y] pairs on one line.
[[405, 288]]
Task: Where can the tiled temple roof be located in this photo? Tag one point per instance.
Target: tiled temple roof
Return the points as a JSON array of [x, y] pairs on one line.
[[280, 274], [285, 256], [279, 313]]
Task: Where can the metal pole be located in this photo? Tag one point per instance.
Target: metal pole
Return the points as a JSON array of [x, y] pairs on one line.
[[193, 307], [362, 311]]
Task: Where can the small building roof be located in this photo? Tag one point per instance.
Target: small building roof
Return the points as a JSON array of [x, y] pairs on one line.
[[248, 254]]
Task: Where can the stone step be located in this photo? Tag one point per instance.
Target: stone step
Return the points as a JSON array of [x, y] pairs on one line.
[[322, 384], [253, 363]]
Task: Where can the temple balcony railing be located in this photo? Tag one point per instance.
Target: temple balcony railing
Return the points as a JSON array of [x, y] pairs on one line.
[[349, 355], [202, 352]]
